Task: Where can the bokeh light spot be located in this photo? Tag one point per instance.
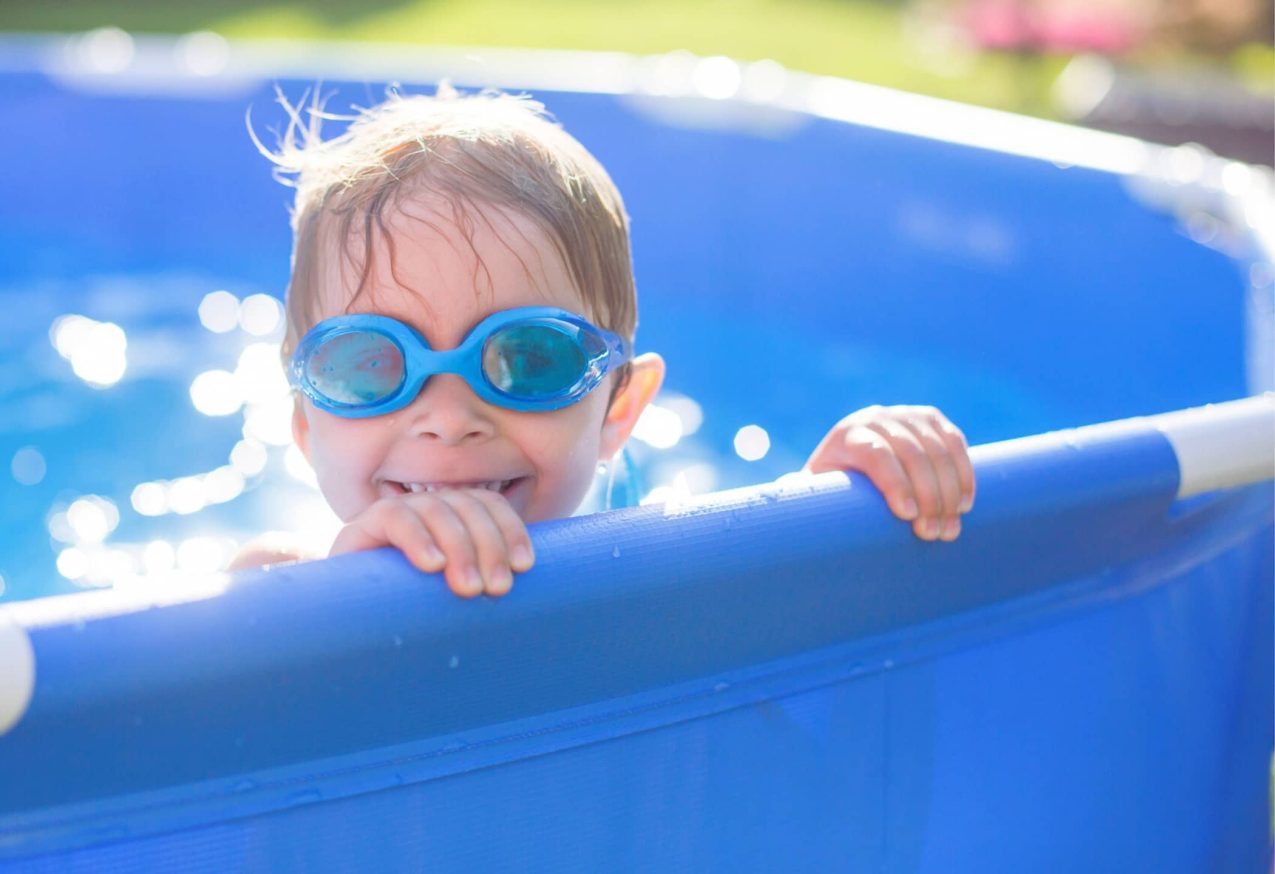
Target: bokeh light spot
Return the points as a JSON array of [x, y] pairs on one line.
[[249, 457], [159, 557], [73, 563], [260, 315], [28, 466], [270, 423], [150, 499], [96, 350], [219, 311], [187, 495], [658, 427], [259, 374], [203, 52], [223, 484], [92, 518], [752, 443], [216, 393]]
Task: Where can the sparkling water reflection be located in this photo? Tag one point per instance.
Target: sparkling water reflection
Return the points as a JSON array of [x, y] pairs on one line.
[[885, 286], [188, 453], [207, 391]]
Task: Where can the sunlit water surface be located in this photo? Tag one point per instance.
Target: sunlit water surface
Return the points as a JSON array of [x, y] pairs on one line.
[[788, 276], [148, 425]]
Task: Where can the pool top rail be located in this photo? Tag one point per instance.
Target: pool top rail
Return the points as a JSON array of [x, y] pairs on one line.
[[161, 705]]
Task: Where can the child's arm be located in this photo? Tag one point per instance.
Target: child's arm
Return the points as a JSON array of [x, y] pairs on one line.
[[472, 535], [273, 547], [914, 455]]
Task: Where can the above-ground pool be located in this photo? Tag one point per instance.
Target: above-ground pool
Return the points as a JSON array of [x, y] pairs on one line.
[[731, 676]]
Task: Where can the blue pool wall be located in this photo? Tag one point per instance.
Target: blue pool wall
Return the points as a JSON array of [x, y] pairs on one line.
[[890, 238], [774, 678]]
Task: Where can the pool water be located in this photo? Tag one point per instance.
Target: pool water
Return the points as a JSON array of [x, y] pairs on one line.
[[742, 255]]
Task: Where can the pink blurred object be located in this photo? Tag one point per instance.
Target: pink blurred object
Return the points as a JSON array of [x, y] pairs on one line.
[[1015, 25]]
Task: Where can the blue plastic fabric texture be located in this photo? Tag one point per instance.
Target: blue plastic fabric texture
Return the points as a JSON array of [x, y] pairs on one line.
[[766, 678]]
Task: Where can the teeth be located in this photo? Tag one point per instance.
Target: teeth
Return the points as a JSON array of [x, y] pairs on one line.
[[493, 486]]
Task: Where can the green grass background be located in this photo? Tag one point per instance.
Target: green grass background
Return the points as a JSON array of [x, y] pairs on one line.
[[874, 41]]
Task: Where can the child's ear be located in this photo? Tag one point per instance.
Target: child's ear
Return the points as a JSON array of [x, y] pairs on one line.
[[300, 426], [646, 375]]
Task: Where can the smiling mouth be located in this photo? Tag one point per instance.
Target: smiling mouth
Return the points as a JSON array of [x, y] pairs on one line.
[[502, 486]]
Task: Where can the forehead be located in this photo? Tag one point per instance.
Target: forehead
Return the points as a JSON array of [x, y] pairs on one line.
[[442, 267]]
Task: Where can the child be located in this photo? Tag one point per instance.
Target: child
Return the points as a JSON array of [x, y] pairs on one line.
[[471, 241]]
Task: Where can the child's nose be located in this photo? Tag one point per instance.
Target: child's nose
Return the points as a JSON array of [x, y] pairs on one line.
[[447, 410]]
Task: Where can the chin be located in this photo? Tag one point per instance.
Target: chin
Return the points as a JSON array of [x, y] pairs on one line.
[[347, 507]]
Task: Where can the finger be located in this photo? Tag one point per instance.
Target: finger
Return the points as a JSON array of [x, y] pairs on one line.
[[405, 529], [830, 453], [945, 471], [522, 554], [452, 535], [957, 456], [869, 452], [490, 550], [390, 523], [920, 472], [358, 534], [959, 450]]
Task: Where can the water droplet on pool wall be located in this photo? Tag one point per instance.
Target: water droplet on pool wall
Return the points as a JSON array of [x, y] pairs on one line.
[[304, 796]]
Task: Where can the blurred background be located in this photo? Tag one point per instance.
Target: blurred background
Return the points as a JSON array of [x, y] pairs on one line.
[[1170, 71]]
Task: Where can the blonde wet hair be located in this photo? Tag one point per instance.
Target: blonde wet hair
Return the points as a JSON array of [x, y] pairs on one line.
[[486, 149]]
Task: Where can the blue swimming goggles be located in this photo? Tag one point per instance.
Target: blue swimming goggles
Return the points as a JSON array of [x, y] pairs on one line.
[[528, 359]]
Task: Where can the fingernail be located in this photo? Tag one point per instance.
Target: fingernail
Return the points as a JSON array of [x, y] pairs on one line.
[[520, 557], [910, 509], [931, 528], [501, 581], [432, 557], [473, 580], [967, 504], [951, 528]]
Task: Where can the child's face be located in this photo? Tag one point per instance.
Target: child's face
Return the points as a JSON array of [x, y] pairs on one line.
[[443, 284]]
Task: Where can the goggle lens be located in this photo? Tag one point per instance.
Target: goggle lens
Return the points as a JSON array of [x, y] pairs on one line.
[[535, 361], [356, 367]]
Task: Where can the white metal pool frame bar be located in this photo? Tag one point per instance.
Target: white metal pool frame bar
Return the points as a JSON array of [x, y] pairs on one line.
[[1222, 445]]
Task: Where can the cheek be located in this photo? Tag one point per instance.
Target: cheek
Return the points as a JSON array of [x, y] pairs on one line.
[[566, 458], [344, 456], [579, 466]]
